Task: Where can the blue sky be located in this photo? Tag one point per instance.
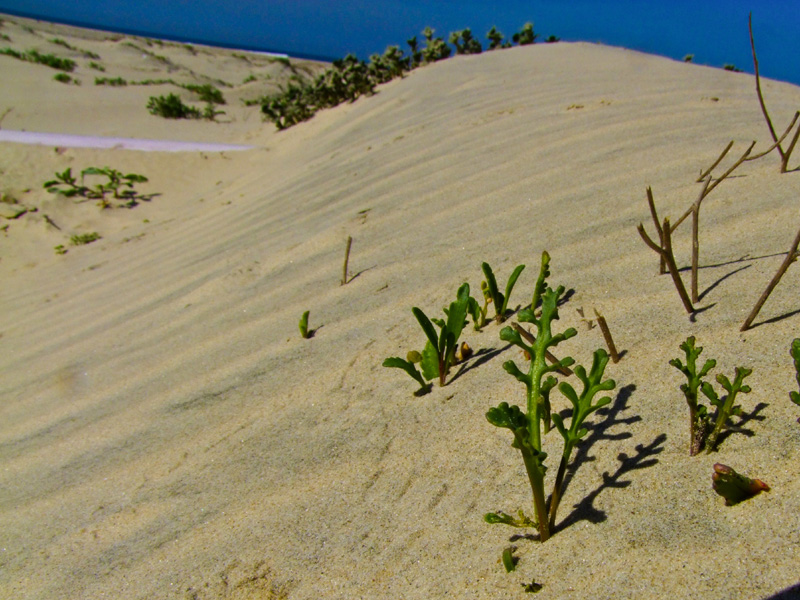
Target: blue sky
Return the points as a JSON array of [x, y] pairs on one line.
[[714, 31]]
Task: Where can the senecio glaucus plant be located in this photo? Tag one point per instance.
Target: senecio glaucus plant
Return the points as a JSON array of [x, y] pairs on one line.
[[529, 426]]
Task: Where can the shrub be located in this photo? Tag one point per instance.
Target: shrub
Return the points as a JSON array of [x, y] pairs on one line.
[[171, 107]]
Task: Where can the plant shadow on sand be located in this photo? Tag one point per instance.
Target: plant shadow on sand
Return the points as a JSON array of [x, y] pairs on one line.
[[644, 457]]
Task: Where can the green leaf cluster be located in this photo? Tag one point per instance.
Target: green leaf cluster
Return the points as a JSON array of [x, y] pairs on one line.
[[439, 353], [499, 300], [118, 184], [704, 430], [528, 427]]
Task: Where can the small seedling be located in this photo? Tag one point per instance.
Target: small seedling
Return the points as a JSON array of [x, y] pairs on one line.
[[701, 433], [67, 185], [477, 312], [528, 427], [60, 249], [499, 300], [795, 352], [440, 350], [509, 560], [734, 487], [304, 325], [532, 587]]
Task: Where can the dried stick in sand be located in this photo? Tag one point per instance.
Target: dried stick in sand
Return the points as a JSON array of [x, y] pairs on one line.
[[791, 256], [346, 259], [612, 349]]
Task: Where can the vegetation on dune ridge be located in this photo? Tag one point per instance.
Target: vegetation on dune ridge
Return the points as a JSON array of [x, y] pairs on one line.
[[350, 78]]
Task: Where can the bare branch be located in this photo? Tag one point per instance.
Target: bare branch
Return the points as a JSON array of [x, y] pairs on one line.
[[705, 173], [662, 267], [666, 253], [791, 256]]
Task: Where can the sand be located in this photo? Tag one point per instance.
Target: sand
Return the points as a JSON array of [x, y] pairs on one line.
[[165, 432]]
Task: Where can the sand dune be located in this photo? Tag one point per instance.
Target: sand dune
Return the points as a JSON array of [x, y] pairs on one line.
[[166, 433]]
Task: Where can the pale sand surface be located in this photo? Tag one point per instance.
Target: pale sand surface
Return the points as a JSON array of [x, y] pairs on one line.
[[166, 433]]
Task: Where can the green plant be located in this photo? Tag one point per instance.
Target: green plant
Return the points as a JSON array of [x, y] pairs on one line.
[[67, 185], [206, 92], [552, 39], [62, 77], [528, 427], [112, 81], [304, 325], [60, 249], [171, 107], [499, 300], [84, 238], [496, 39], [50, 60], [96, 66], [525, 35], [440, 350], [435, 48], [795, 353], [701, 433], [735, 487], [465, 43], [410, 366], [688, 58]]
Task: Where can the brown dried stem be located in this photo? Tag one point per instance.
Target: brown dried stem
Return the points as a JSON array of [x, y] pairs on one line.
[[787, 153], [666, 253], [662, 265], [791, 256], [346, 259], [612, 349]]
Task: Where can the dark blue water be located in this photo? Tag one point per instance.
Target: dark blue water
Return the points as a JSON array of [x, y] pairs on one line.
[[714, 31]]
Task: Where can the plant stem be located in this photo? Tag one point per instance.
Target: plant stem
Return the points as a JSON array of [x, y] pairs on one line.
[[791, 256], [346, 259]]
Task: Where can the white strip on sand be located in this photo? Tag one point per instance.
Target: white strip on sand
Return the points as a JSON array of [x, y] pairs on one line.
[[89, 141]]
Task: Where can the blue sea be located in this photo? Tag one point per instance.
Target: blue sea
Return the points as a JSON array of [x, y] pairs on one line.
[[714, 32]]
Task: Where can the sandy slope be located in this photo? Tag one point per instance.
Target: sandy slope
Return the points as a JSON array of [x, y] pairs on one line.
[[166, 433]]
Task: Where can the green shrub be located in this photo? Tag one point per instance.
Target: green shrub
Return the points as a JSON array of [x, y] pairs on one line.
[[62, 77], [525, 36], [171, 107], [207, 92], [115, 82], [50, 60], [84, 238]]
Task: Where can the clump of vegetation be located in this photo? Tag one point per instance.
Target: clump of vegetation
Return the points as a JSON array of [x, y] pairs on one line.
[[50, 60], [440, 349], [496, 39], [734, 487], [84, 238], [96, 66], [207, 93], [171, 107], [112, 81], [703, 430], [116, 183], [65, 44], [64, 78], [529, 426], [349, 78], [525, 36], [465, 43]]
